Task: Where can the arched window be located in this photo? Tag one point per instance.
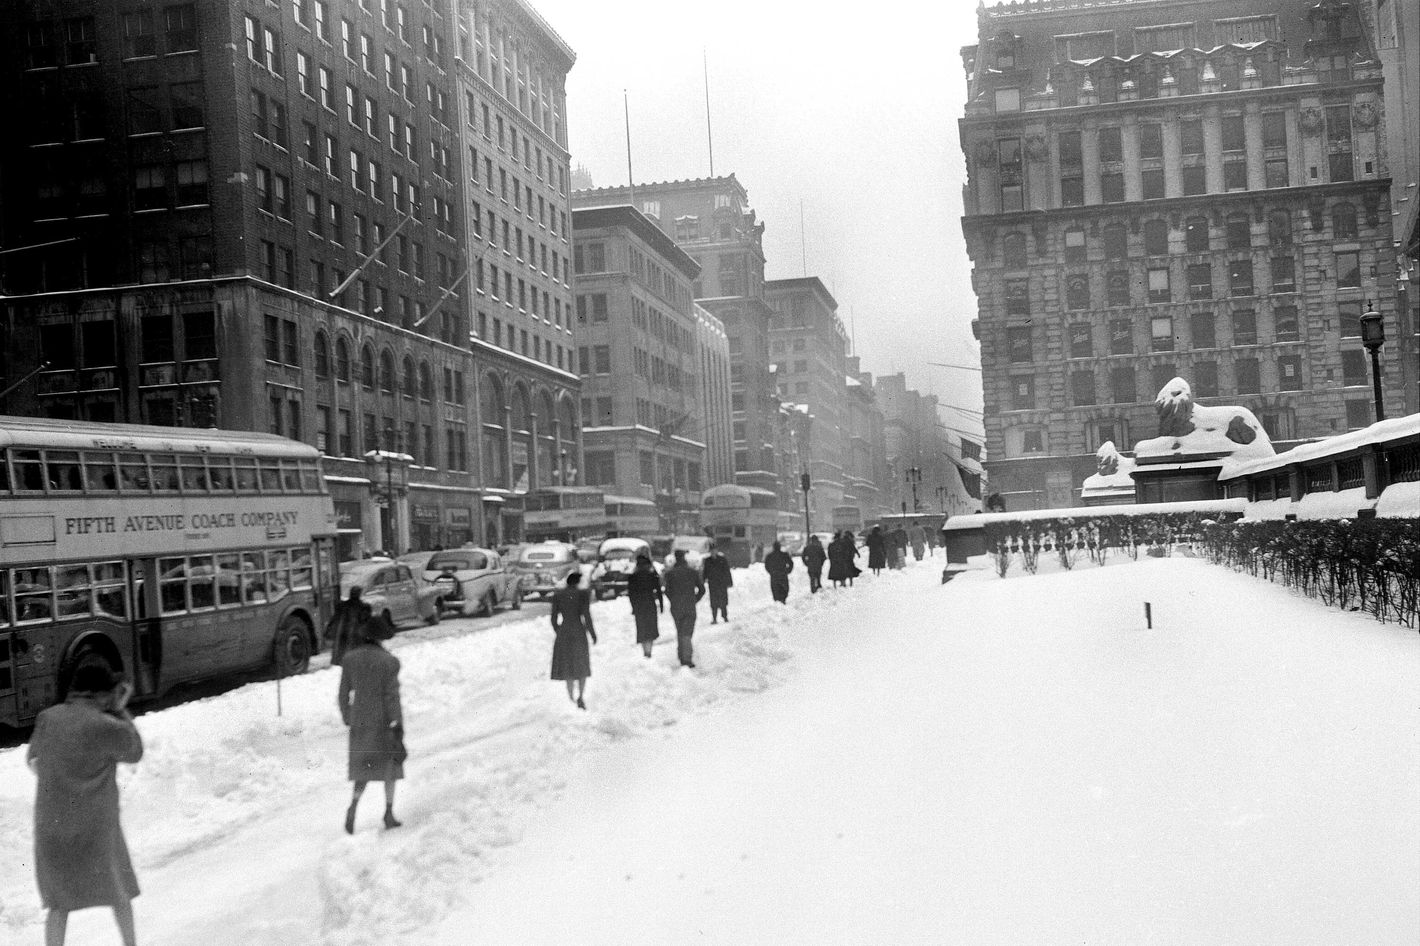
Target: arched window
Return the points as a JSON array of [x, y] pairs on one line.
[[1013, 250], [1195, 231], [1077, 292], [367, 368], [426, 382], [409, 381], [1156, 238], [495, 455], [569, 419], [1239, 229], [1116, 242], [342, 361], [1279, 228], [490, 402], [519, 401], [1343, 222], [387, 371], [322, 356]]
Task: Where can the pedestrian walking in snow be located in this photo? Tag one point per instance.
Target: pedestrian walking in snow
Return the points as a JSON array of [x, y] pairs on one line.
[[684, 589], [814, 556], [850, 556], [779, 564], [643, 590], [344, 627], [918, 538], [719, 581], [81, 859], [369, 705], [897, 548], [877, 550], [572, 623]]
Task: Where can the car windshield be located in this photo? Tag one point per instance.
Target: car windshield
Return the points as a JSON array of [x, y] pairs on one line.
[[460, 562], [546, 556], [619, 555]]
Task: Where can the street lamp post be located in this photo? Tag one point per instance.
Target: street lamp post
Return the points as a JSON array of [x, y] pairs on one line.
[[1373, 337], [942, 498], [914, 477]]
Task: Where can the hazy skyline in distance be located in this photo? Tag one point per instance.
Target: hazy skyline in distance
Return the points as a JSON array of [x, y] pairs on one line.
[[854, 116]]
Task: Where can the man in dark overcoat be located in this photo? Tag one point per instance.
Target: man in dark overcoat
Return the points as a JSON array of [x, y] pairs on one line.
[[814, 556], [684, 589], [718, 581], [344, 628], [81, 859], [779, 564]]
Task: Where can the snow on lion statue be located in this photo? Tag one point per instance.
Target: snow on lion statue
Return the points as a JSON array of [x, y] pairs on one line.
[[1187, 429]]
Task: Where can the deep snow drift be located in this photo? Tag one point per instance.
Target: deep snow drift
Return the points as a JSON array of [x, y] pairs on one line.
[[988, 761]]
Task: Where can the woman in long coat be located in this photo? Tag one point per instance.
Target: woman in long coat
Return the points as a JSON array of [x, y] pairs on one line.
[[643, 590], [81, 859], [814, 556], [572, 623], [877, 550], [369, 705]]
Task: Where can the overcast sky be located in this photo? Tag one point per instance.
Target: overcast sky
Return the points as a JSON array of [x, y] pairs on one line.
[[851, 110]]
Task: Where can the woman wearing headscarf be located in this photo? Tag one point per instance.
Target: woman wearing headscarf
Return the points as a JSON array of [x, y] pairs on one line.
[[81, 859], [877, 550], [369, 705], [643, 590], [572, 623]]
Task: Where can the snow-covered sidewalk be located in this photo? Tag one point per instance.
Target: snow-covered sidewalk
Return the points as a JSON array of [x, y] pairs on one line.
[[990, 761]]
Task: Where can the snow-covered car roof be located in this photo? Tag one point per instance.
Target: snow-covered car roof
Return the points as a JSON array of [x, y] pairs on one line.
[[548, 552], [460, 559], [624, 544]]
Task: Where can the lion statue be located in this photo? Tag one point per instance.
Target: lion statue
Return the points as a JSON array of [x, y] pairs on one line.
[[1188, 428]]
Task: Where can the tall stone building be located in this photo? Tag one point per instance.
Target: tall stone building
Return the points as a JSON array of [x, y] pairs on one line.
[[254, 215], [915, 445], [866, 475], [713, 346], [810, 347], [1171, 187], [638, 341], [710, 218]]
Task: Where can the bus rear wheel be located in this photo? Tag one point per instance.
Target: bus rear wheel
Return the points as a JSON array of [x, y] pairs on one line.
[[293, 646]]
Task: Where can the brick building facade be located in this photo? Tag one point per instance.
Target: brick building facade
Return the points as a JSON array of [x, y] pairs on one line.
[[1171, 187]]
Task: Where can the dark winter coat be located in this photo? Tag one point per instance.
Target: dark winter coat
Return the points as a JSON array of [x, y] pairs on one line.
[[572, 622], [684, 588], [369, 705], [643, 588], [718, 580], [840, 560], [814, 556], [779, 564], [81, 859], [877, 550]]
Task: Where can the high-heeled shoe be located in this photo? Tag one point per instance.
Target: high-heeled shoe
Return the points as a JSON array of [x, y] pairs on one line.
[[350, 819], [581, 704], [390, 821]]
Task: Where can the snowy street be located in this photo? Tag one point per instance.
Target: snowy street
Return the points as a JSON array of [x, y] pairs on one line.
[[990, 761]]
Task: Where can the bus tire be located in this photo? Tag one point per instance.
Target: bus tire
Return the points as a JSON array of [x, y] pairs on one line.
[[292, 650]]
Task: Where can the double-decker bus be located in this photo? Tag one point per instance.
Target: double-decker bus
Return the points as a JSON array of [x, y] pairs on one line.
[[628, 515], [847, 517], [171, 554], [564, 514], [743, 521]]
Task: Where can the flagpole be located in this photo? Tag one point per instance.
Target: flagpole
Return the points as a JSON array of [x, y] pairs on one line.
[[630, 178]]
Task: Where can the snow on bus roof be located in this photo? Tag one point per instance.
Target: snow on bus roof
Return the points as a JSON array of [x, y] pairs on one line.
[[977, 520], [84, 435]]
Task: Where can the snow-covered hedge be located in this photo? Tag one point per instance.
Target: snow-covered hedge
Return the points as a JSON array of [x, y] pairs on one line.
[[1072, 539], [1367, 564]]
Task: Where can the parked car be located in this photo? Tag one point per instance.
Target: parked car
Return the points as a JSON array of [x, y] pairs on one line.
[[473, 581], [616, 561], [544, 567], [696, 548], [415, 560], [391, 591]]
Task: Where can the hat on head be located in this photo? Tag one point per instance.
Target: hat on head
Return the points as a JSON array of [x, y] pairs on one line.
[[93, 676]]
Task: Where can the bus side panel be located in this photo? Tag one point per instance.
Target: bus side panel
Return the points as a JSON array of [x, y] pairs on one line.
[[35, 675]]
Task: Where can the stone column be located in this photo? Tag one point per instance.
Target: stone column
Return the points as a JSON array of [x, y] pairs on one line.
[[1173, 173], [1213, 147], [1133, 176], [1252, 131], [533, 464], [1090, 161]]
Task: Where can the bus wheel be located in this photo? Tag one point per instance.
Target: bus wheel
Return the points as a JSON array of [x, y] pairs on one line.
[[293, 646]]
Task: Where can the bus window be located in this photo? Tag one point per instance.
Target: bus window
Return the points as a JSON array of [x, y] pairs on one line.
[[229, 580], [270, 476], [4, 593], [165, 474], [301, 568], [278, 572], [200, 577], [99, 474], [194, 474], [290, 476], [253, 577], [29, 473], [71, 585], [63, 470], [33, 595], [4, 474], [310, 477], [219, 471], [110, 597], [172, 584], [246, 474], [133, 472]]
